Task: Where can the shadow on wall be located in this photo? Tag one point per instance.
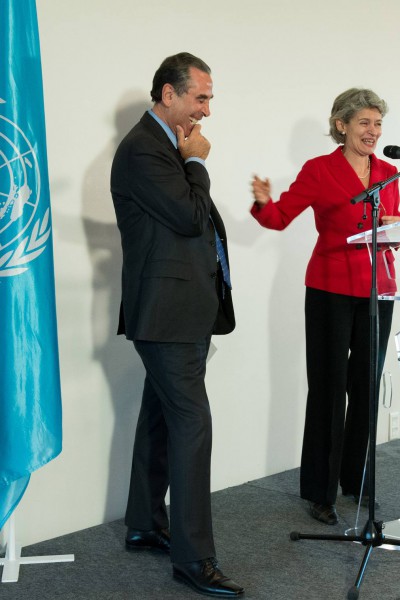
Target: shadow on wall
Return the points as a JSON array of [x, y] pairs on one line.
[[285, 322], [286, 328], [121, 366]]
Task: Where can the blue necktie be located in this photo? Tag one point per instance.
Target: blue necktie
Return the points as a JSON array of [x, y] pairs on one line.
[[222, 258]]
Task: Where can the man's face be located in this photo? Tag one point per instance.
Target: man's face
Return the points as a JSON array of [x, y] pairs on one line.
[[193, 105]]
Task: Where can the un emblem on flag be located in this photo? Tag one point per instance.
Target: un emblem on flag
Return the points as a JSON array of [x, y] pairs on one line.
[[23, 234]]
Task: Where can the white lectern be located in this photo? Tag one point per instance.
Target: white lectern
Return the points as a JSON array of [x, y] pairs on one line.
[[387, 237]]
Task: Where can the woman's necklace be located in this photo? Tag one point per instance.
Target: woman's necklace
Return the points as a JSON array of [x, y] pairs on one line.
[[368, 170]]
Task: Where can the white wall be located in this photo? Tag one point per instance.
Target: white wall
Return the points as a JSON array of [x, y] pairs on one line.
[[277, 66]]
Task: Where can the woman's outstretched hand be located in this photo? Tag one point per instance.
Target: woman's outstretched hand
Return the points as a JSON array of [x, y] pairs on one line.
[[261, 190]]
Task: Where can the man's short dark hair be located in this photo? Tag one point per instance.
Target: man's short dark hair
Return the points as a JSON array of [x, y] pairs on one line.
[[175, 71]]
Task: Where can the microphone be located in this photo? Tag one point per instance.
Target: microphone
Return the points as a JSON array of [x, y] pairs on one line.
[[367, 193], [392, 151]]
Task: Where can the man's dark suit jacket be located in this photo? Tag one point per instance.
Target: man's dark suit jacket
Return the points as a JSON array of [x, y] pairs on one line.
[[169, 274]]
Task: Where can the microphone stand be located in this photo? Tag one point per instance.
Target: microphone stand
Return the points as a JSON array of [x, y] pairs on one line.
[[372, 535]]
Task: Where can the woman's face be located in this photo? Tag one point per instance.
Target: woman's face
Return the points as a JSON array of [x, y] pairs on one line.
[[362, 132]]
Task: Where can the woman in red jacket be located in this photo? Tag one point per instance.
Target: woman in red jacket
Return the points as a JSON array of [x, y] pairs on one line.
[[338, 284]]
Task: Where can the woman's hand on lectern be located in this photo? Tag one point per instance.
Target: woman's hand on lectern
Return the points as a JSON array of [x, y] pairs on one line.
[[389, 219]]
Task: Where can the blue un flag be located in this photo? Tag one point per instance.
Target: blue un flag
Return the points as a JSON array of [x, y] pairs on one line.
[[30, 398]]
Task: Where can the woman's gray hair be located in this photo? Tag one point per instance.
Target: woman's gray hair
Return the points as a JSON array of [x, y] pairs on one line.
[[348, 104]]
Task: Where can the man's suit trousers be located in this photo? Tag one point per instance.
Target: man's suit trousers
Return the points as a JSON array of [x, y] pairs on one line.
[[173, 448]]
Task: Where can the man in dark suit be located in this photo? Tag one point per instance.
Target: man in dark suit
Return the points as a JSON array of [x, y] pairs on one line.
[[175, 294]]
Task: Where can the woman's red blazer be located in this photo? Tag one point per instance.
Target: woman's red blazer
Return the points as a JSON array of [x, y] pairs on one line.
[[327, 184]]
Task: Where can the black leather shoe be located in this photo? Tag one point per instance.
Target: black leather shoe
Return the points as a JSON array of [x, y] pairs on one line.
[[148, 540], [326, 513], [364, 499], [205, 577]]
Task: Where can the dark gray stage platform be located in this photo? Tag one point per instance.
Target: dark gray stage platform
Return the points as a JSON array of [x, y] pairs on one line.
[[252, 523]]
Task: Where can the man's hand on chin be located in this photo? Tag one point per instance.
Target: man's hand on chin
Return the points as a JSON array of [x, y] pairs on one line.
[[194, 145]]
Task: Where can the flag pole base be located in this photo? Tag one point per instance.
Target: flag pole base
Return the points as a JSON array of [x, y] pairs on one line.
[[13, 559]]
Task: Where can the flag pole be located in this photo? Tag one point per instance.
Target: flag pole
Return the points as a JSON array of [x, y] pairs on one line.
[[13, 559]]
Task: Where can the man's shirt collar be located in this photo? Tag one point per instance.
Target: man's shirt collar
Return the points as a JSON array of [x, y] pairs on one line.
[[167, 129]]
